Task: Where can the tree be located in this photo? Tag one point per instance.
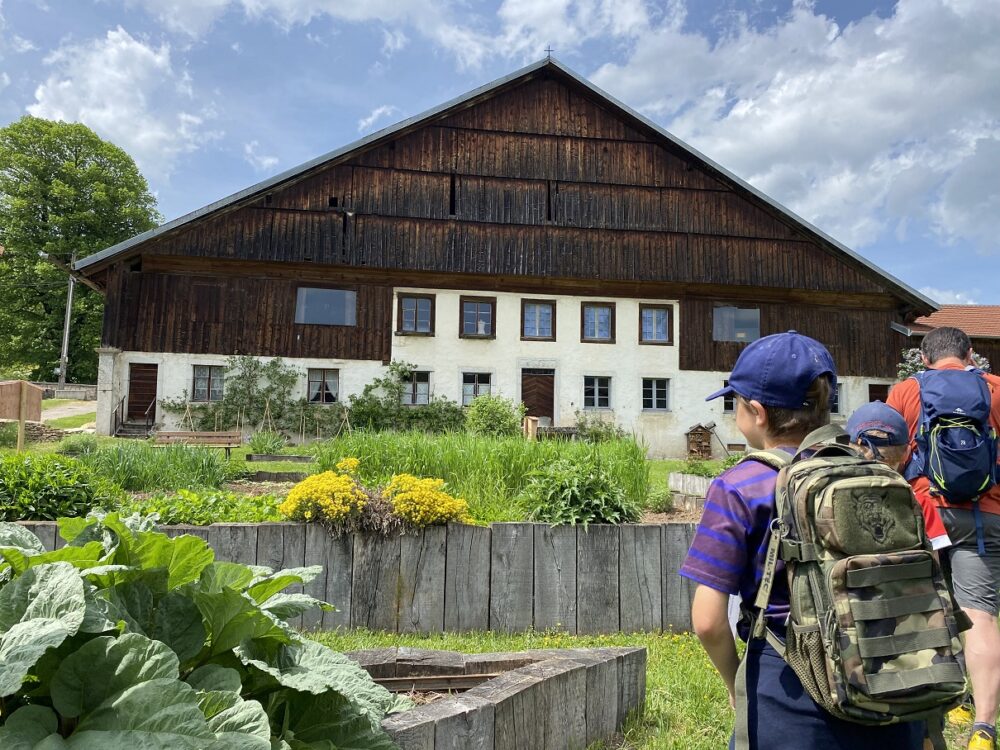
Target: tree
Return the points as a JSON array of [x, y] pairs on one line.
[[66, 193], [912, 363]]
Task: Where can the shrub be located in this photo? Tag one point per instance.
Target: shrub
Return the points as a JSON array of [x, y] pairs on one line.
[[494, 415], [37, 487], [378, 407], [139, 467], [8, 434], [423, 502], [572, 492], [660, 500], [201, 508], [700, 468], [266, 441], [128, 638], [731, 460], [330, 497], [77, 445], [593, 428]]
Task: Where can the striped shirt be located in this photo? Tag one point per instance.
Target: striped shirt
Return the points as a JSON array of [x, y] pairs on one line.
[[729, 547]]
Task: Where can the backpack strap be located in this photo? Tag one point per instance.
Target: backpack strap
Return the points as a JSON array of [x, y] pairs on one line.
[[776, 458]]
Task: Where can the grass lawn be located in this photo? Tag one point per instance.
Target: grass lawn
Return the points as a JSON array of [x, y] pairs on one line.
[[686, 703], [68, 423], [51, 403]]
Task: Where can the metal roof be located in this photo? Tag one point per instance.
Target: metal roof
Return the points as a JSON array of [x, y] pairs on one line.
[[914, 296]]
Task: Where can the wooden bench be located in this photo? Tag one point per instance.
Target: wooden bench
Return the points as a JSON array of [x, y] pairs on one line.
[[228, 440]]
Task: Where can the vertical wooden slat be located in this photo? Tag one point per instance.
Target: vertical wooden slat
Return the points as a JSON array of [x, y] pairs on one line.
[[677, 591], [555, 578], [375, 577], [234, 542], [640, 578], [282, 545], [46, 531], [597, 556], [339, 556], [316, 554], [467, 578], [422, 580], [511, 577]]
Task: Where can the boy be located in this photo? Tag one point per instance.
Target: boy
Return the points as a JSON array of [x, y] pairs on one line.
[[782, 384], [883, 435]]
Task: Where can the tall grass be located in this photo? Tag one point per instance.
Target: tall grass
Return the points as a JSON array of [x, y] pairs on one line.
[[488, 472], [139, 467]]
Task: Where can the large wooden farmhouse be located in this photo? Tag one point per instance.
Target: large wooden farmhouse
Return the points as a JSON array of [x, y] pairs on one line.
[[533, 238]]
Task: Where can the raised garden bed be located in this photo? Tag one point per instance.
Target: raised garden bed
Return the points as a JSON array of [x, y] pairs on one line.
[[272, 457], [525, 700], [277, 476]]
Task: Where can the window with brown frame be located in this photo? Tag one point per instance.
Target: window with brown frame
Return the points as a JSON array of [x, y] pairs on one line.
[[415, 315], [324, 386], [478, 320], [656, 324], [538, 320], [416, 388], [597, 322], [209, 383]]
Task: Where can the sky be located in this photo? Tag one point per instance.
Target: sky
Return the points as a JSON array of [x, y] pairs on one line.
[[877, 121]]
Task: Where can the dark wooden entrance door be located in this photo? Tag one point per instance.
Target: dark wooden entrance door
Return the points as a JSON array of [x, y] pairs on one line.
[[141, 390], [878, 392], [538, 392]]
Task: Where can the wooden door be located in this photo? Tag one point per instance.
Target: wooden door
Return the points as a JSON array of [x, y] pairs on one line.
[[141, 390], [538, 391]]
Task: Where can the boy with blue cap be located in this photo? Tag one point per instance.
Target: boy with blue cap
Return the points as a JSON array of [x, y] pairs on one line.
[[782, 386]]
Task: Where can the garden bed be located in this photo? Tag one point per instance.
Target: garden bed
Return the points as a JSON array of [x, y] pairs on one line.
[[540, 699]]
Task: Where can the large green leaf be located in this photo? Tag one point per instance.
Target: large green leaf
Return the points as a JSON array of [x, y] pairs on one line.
[[160, 714], [231, 618], [28, 726], [22, 646], [220, 575], [311, 667], [177, 622], [330, 721], [107, 666], [287, 606], [18, 537], [88, 556], [237, 723], [184, 557], [267, 587], [213, 677]]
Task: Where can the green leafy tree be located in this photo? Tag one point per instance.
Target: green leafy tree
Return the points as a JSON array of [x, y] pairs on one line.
[[911, 363], [67, 193]]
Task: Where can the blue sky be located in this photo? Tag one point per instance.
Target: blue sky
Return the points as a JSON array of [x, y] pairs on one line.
[[878, 121]]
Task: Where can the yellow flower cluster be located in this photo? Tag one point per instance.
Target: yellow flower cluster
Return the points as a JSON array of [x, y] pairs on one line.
[[348, 465], [422, 502], [330, 496]]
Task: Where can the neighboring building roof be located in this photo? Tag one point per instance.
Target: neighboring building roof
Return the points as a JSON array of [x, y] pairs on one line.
[[978, 321], [915, 298]]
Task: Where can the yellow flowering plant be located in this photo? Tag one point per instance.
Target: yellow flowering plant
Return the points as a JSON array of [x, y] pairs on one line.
[[423, 502], [331, 497]]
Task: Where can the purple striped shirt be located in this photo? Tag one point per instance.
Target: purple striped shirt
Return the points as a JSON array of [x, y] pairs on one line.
[[728, 550]]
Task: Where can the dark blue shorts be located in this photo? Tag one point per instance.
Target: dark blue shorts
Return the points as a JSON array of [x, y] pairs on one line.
[[782, 716]]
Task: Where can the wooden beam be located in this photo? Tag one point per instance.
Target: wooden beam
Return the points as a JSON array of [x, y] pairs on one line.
[[75, 274], [439, 684]]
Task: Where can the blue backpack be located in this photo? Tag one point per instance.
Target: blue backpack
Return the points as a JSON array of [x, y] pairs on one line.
[[956, 447]]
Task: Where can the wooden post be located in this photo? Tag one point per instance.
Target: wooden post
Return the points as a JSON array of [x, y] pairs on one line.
[[22, 413]]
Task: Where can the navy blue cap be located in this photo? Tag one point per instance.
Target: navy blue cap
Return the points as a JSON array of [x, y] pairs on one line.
[[777, 370], [882, 417]]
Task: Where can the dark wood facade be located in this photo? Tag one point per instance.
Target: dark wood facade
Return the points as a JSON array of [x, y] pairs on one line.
[[537, 185]]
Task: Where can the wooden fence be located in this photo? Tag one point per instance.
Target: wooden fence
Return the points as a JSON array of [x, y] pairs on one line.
[[508, 577]]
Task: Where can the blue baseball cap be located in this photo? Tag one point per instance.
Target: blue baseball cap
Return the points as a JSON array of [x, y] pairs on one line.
[[878, 416], [777, 370]]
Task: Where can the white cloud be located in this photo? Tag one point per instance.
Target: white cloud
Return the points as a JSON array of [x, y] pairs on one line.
[[4, 80], [127, 91], [191, 17], [365, 123], [258, 161], [863, 130], [393, 41], [950, 296], [18, 44]]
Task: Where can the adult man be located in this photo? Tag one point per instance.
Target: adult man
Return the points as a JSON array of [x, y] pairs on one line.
[[976, 577]]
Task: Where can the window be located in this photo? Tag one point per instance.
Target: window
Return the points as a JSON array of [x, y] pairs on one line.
[[209, 383], [736, 324], [417, 389], [596, 392], [655, 324], [728, 402], [478, 317], [836, 399], [474, 384], [878, 392], [654, 393], [415, 314], [326, 307], [324, 386], [538, 319], [597, 322]]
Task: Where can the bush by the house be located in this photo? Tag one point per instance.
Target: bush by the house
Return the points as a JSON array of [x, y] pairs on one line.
[[43, 487], [205, 507], [168, 648], [660, 500], [489, 473], [593, 427], [77, 445], [577, 492], [140, 467], [266, 442], [495, 416]]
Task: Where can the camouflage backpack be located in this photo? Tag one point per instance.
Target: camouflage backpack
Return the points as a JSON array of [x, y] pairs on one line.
[[872, 633]]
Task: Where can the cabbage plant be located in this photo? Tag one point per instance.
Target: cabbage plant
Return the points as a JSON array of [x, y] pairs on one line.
[[127, 639]]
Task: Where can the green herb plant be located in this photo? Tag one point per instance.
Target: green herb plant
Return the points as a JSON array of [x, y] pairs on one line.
[[577, 492]]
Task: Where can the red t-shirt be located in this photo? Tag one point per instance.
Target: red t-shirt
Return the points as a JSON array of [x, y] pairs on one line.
[[905, 398]]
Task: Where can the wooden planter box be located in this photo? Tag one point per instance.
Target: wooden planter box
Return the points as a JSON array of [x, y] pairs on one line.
[[270, 457], [551, 698]]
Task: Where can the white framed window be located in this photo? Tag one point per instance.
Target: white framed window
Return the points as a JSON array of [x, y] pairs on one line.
[[208, 383], [475, 384], [596, 392], [655, 394], [323, 386], [417, 388]]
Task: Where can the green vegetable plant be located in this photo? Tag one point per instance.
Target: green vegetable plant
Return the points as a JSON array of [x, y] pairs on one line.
[[205, 507], [126, 638], [43, 487], [266, 441], [577, 492]]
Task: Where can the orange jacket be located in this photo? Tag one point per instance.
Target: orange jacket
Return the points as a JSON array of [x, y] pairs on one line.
[[905, 398]]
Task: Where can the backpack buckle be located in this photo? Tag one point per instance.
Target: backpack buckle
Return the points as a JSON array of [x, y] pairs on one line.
[[798, 551]]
